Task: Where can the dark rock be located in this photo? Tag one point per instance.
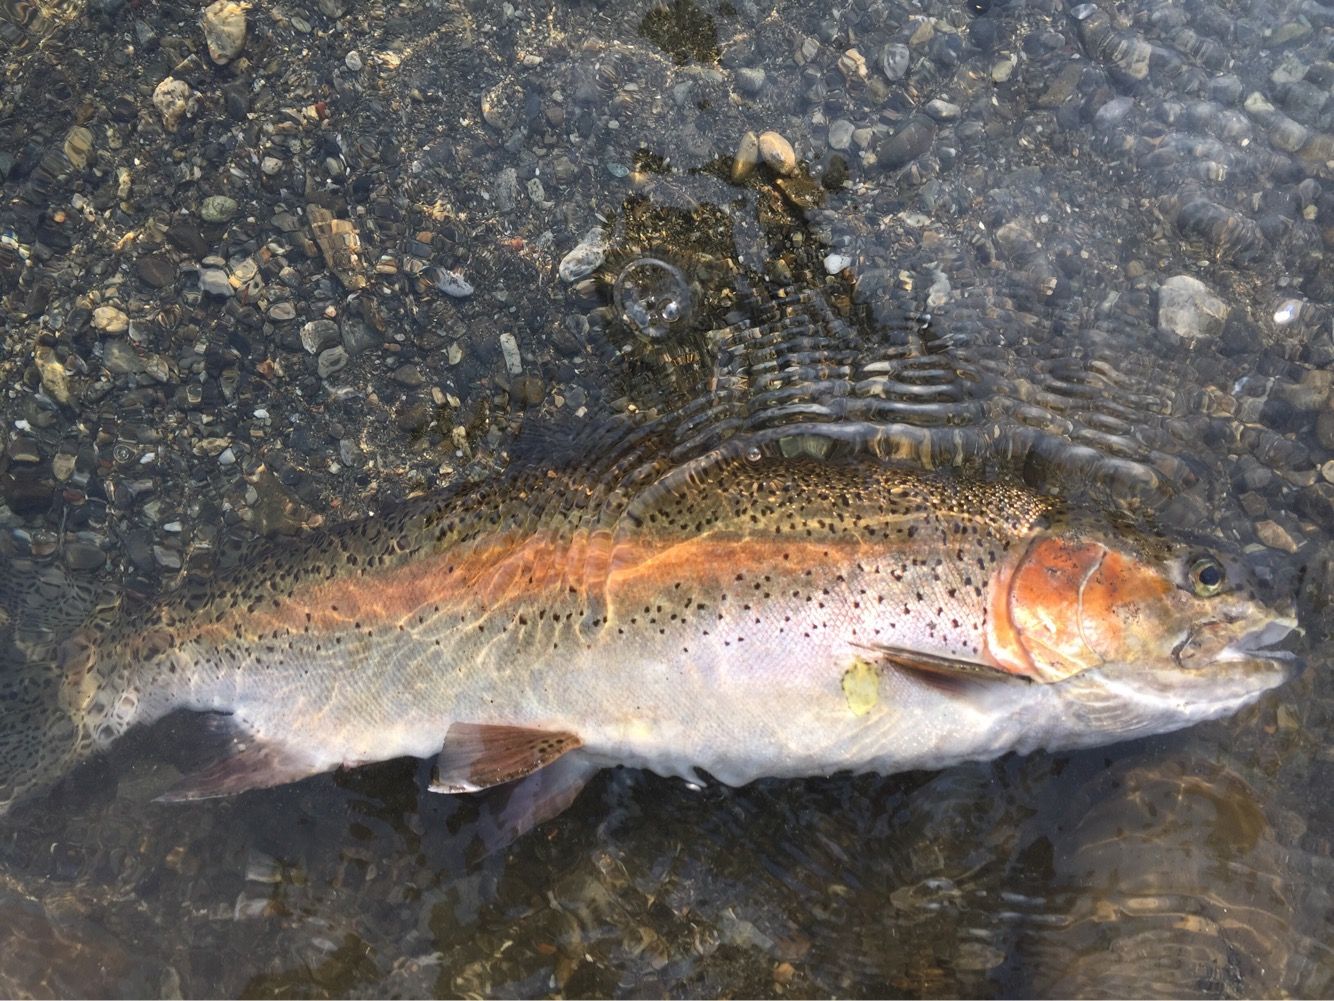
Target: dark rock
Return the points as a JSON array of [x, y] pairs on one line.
[[907, 144], [236, 96], [408, 375], [155, 270], [82, 556], [186, 238]]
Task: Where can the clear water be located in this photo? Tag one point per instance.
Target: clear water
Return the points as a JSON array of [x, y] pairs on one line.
[[998, 266]]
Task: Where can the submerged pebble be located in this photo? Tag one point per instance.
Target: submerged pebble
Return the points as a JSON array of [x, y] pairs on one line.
[[587, 255], [452, 283], [224, 30], [110, 319], [747, 157], [777, 153], [172, 98], [1188, 308], [907, 144]]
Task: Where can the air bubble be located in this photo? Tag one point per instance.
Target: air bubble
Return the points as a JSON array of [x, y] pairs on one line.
[[652, 297]]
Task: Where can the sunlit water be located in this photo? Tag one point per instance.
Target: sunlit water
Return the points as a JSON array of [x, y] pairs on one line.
[[928, 271]]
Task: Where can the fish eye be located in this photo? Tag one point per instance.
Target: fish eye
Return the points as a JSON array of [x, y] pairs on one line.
[[1207, 576]]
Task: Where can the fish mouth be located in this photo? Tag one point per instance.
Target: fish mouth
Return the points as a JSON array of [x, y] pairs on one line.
[[1261, 644]]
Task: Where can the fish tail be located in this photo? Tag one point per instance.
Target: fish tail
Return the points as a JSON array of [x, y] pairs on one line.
[[49, 684], [40, 741]]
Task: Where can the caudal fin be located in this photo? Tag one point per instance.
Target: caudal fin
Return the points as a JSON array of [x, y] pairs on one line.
[[40, 738], [39, 741]]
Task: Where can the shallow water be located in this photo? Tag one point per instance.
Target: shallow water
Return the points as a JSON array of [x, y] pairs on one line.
[[996, 302]]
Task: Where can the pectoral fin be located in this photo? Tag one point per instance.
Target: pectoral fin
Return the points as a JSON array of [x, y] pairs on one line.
[[246, 763], [476, 756], [948, 673]]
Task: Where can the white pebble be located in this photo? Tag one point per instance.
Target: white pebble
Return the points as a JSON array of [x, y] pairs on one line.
[[353, 61], [1288, 311], [452, 283], [509, 347], [835, 263], [585, 258]]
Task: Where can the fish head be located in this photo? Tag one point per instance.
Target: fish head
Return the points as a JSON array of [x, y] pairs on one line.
[[1163, 630]]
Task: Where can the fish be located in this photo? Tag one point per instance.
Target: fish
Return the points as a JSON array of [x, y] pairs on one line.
[[760, 611]]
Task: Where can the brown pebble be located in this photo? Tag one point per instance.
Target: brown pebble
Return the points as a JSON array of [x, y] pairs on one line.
[[777, 153]]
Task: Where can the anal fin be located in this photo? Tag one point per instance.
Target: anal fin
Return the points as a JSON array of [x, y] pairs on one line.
[[246, 763], [477, 756]]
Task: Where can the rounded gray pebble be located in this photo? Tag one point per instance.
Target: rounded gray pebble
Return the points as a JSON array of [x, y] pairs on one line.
[[317, 333], [217, 208], [907, 144], [331, 360], [840, 134], [894, 60], [750, 80], [214, 281]]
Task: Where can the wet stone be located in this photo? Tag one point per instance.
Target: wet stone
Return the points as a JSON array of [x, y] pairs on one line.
[[331, 360], [1062, 88], [894, 60], [62, 466], [907, 144], [587, 255], [318, 333], [186, 238], [83, 556], [281, 312], [407, 375], [529, 390], [840, 134], [1275, 536], [110, 319], [224, 30], [747, 157], [78, 146], [452, 284], [1324, 430], [777, 153], [506, 189], [24, 451], [155, 270], [942, 111], [214, 282], [217, 208], [172, 98], [357, 336], [509, 347], [120, 358], [1188, 308], [750, 80]]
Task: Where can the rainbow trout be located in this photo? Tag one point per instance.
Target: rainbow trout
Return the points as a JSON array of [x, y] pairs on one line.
[[753, 615]]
